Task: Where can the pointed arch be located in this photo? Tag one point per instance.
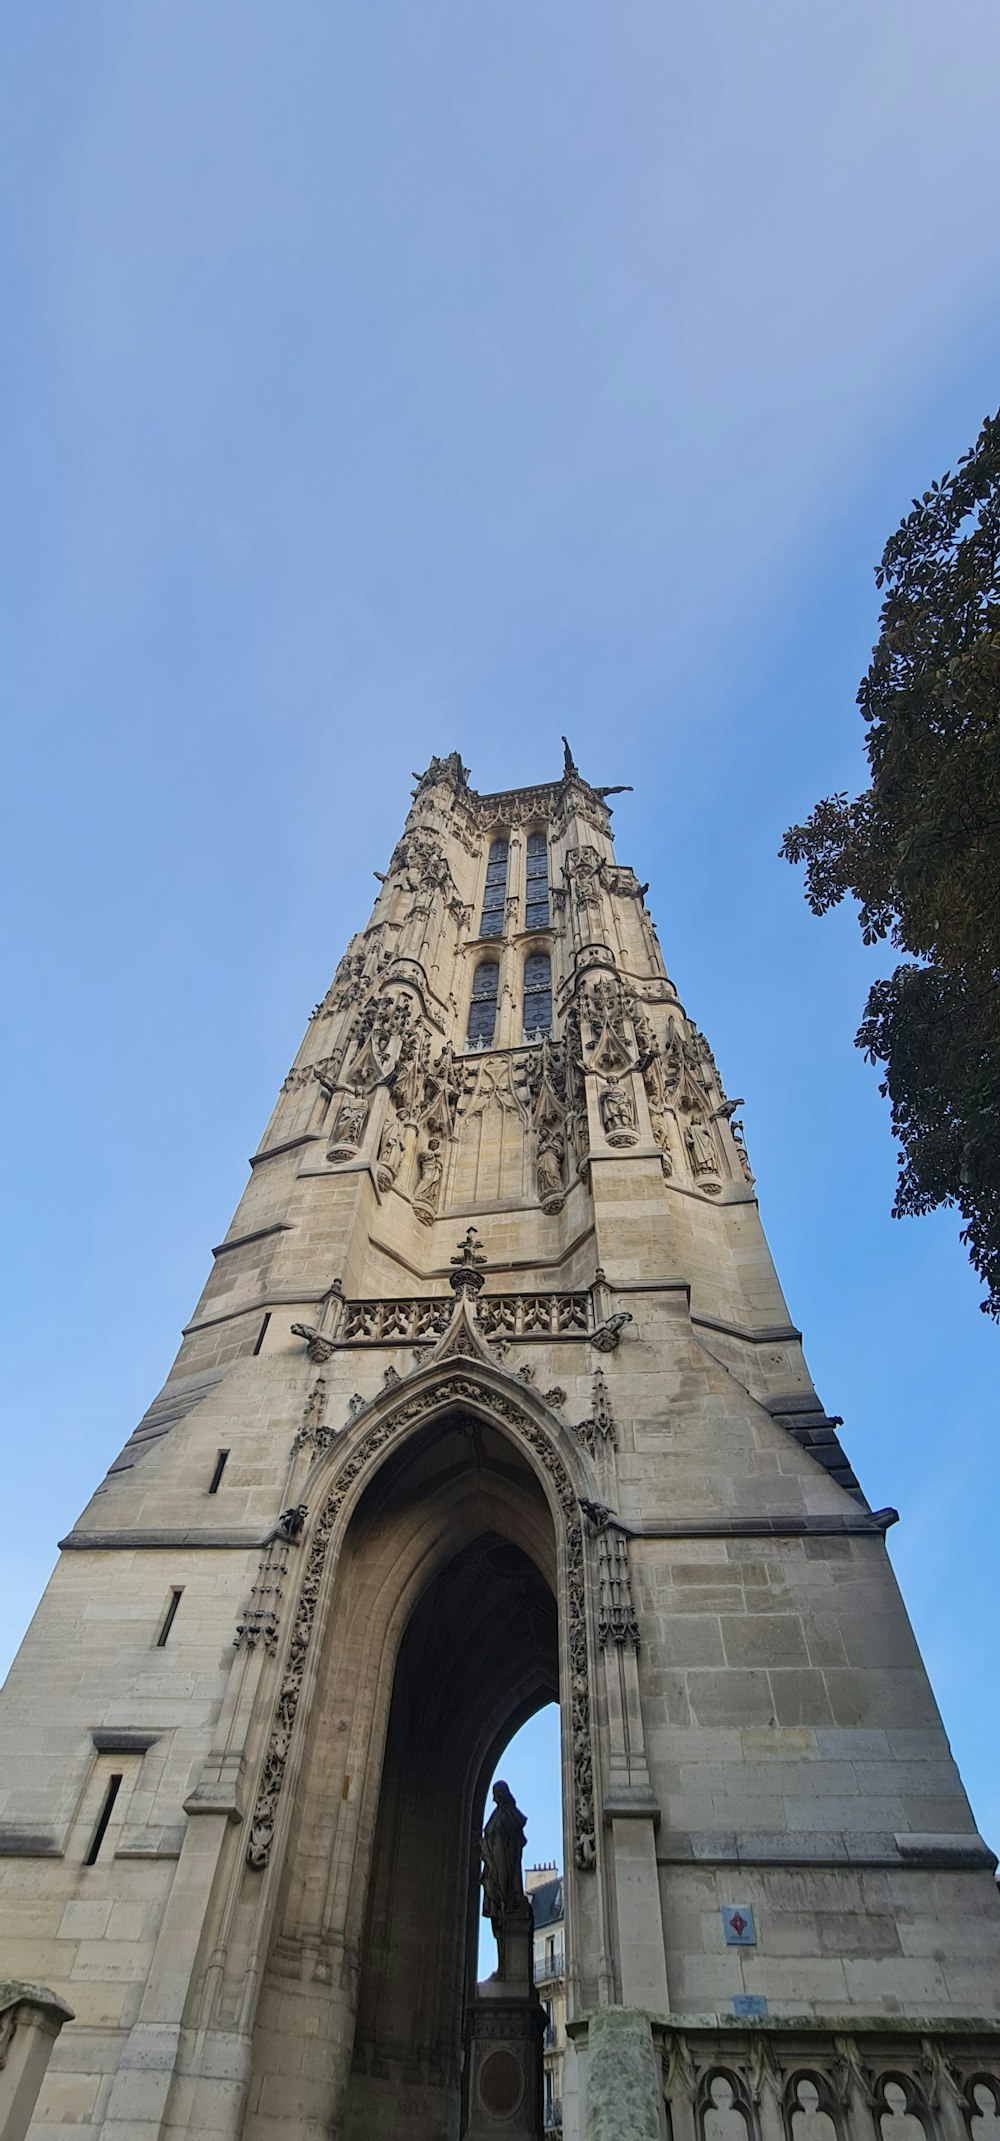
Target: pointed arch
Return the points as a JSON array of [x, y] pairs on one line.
[[392, 1420]]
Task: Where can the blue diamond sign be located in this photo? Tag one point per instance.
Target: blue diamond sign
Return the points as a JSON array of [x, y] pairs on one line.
[[738, 1926]]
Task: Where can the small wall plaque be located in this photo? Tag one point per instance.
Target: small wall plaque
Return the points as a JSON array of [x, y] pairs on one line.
[[749, 2003], [738, 1926]]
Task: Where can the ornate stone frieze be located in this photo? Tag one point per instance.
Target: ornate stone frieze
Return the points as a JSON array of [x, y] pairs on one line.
[[796, 2078], [423, 1405]]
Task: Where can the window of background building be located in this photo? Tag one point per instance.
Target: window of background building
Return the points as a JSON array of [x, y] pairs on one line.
[[538, 993], [483, 1008], [536, 913], [495, 894]]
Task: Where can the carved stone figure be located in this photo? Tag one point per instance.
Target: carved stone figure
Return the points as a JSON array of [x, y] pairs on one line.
[[549, 1174], [503, 1887], [430, 1168], [289, 1525], [390, 1152], [352, 1116], [607, 1337], [618, 1115], [701, 1146]]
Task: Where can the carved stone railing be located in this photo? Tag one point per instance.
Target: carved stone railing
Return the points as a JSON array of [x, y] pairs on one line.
[[395, 1322], [845, 2078]]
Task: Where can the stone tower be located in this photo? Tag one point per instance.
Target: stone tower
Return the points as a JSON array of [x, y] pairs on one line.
[[492, 1397]]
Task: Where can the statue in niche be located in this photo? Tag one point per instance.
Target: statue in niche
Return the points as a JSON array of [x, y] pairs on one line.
[[503, 1887], [658, 1125], [701, 1147], [430, 1168], [352, 1116], [390, 1152], [618, 1115], [549, 1172]]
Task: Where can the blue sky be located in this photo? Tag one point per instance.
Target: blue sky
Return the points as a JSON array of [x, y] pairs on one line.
[[385, 378]]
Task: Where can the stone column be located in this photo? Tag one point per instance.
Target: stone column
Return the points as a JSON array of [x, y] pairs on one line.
[[624, 2093], [30, 2021]]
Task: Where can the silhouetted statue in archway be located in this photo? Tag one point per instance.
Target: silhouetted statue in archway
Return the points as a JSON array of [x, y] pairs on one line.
[[503, 1887]]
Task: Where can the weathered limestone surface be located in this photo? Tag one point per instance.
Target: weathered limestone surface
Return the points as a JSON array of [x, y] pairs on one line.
[[592, 1467], [31, 2018]]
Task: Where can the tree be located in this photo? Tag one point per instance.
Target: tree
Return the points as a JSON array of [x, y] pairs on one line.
[[920, 849]]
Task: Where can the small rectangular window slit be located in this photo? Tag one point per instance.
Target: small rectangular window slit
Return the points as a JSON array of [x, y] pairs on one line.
[[114, 1787], [220, 1466], [169, 1616], [262, 1333]]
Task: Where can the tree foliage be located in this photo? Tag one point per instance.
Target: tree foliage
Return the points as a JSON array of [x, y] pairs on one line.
[[920, 849]]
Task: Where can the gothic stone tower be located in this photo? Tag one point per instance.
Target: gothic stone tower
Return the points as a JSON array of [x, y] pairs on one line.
[[493, 1397]]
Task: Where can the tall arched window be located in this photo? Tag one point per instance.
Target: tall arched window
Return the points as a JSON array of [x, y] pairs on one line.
[[483, 1008], [496, 891], [538, 993], [536, 914]]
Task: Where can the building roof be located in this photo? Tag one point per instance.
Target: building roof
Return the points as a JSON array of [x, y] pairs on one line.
[[547, 1903]]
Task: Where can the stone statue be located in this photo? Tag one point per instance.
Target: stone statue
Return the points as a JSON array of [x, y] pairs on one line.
[[618, 1115], [390, 1152], [701, 1146], [549, 1171], [351, 1120], [431, 1168], [503, 1888]]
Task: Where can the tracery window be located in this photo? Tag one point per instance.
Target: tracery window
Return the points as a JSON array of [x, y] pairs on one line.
[[495, 894], [483, 1008], [536, 915], [538, 993]]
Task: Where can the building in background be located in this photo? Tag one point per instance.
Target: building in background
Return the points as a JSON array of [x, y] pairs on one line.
[[492, 1398], [544, 1886]]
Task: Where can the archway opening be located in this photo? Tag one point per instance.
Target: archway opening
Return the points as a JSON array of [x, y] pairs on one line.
[[478, 1656]]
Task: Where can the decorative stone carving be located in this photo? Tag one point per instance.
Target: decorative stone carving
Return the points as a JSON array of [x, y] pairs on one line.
[[260, 1621], [704, 1158], [511, 1316], [616, 1619], [290, 1525], [739, 1140], [724, 2108], [322, 1337], [441, 1091], [467, 1266], [549, 1172], [810, 2106], [601, 1425], [618, 1115], [319, 1346], [622, 881], [607, 1336], [313, 1433], [900, 2114], [390, 1153], [422, 1405], [582, 868], [349, 1129], [430, 1173]]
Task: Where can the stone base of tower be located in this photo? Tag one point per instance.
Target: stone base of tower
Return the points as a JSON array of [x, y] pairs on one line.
[[503, 2067]]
